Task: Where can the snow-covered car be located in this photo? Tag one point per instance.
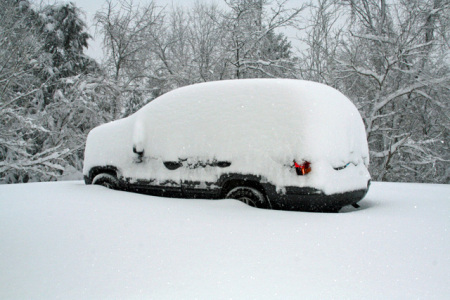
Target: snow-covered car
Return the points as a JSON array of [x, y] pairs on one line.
[[271, 143]]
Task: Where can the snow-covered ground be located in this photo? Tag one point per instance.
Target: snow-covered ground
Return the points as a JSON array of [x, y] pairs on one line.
[[71, 241]]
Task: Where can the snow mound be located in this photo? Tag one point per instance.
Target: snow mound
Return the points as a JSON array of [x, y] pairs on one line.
[[260, 125]]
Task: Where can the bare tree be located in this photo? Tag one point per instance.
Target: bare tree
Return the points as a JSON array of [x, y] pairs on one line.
[[394, 68], [207, 40], [191, 47], [127, 35], [323, 36], [391, 58], [251, 27]]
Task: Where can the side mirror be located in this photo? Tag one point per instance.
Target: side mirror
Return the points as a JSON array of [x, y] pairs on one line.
[[140, 154]]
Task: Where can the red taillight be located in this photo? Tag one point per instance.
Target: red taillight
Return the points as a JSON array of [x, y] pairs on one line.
[[302, 169]]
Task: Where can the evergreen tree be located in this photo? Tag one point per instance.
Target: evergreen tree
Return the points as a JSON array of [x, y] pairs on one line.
[[65, 38], [47, 104]]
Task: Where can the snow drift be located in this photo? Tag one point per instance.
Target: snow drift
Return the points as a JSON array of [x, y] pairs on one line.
[[66, 240]]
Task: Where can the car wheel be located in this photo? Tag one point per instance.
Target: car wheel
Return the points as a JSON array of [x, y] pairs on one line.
[[248, 195], [107, 180]]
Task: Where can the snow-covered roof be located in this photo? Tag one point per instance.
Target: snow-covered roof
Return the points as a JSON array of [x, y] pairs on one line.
[[297, 119]]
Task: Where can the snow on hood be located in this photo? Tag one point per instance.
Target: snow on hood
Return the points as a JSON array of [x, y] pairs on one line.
[[258, 124]]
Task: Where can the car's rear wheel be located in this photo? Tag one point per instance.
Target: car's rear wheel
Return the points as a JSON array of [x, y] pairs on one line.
[[106, 180], [248, 195]]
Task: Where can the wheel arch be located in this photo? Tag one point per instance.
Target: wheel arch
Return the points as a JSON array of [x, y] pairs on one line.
[[230, 182], [94, 171]]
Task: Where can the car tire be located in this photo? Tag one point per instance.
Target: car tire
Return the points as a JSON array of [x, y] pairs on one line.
[[248, 195], [106, 180]]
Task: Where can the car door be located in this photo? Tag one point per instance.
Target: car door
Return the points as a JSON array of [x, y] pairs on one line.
[[152, 175], [199, 177]]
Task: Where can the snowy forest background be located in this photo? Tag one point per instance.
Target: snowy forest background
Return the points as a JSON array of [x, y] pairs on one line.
[[390, 57]]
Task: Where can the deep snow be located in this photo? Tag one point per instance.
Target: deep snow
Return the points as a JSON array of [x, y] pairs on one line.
[[72, 241]]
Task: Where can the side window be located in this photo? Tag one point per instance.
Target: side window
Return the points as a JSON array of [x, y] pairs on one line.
[[195, 163], [172, 165], [223, 164]]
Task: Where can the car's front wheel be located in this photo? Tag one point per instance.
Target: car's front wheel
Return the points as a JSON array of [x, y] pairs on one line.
[[107, 180], [248, 195]]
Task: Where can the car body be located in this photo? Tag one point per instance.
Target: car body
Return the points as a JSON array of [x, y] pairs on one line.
[[272, 143]]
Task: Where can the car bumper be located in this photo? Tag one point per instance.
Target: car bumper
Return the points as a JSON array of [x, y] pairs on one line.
[[314, 200]]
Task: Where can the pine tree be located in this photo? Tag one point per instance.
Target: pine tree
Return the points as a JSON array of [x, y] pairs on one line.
[[65, 38], [47, 104]]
